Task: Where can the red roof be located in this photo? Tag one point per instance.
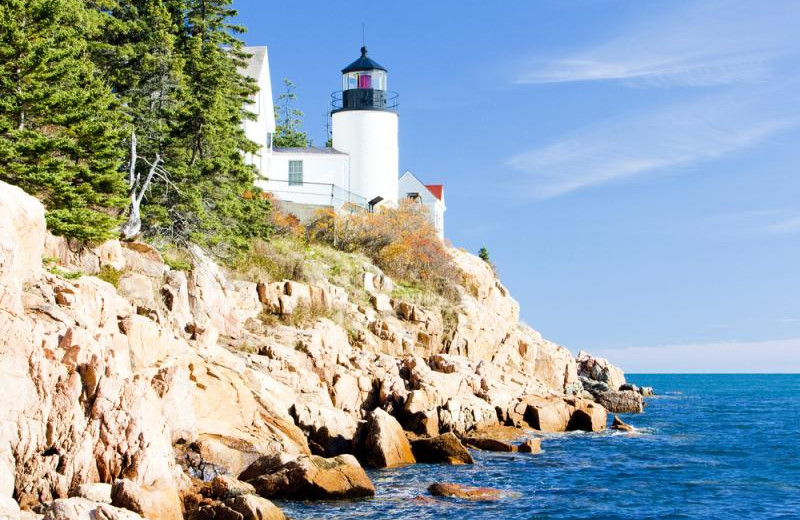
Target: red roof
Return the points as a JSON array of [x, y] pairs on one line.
[[436, 189]]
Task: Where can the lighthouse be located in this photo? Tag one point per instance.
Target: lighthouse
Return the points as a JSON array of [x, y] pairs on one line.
[[364, 126]]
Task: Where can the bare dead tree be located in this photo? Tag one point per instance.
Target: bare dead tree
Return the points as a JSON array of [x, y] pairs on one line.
[[137, 187]]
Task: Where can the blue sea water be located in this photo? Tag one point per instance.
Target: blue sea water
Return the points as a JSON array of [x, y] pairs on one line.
[[709, 447]]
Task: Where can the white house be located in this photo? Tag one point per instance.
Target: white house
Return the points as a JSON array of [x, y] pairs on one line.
[[430, 196], [360, 169], [262, 128]]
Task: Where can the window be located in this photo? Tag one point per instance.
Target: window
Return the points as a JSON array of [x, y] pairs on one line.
[[412, 195], [365, 81], [295, 173], [371, 79]]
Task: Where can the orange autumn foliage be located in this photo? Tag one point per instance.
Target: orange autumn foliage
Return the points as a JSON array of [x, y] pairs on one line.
[[283, 222], [401, 241]]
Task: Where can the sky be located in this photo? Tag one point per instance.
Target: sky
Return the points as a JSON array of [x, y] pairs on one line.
[[633, 167]]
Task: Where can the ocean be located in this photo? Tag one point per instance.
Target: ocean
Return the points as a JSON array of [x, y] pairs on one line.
[[708, 447]]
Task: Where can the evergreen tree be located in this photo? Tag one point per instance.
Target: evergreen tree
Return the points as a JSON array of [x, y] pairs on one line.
[[212, 200], [60, 125], [483, 254], [289, 120], [137, 55]]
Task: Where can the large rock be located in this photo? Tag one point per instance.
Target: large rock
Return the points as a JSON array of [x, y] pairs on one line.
[[156, 502], [330, 431], [586, 416], [502, 433], [496, 438], [224, 487], [546, 414], [626, 401], [22, 233], [444, 449], [78, 508], [234, 419], [217, 302], [253, 507], [554, 365], [449, 489], [488, 313], [621, 425], [9, 509], [143, 258], [383, 444], [425, 424], [96, 492], [310, 478], [489, 444], [530, 446], [600, 369], [138, 288], [148, 343], [468, 412]]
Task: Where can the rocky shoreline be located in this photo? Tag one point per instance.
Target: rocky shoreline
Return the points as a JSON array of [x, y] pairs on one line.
[[178, 394]]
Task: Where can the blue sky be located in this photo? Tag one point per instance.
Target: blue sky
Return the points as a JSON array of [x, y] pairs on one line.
[[633, 167]]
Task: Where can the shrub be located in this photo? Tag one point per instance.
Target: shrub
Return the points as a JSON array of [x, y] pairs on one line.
[[278, 260], [177, 264], [303, 315], [283, 222], [306, 313], [401, 241], [110, 274], [63, 273]]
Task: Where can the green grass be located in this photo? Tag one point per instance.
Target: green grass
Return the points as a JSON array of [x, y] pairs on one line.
[[406, 291], [278, 259], [177, 264], [111, 275], [63, 273]]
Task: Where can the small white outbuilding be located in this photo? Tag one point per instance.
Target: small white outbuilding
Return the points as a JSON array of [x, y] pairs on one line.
[[430, 196]]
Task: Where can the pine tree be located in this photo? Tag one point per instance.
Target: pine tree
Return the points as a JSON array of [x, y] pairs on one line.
[[137, 55], [288, 133], [60, 125], [213, 201]]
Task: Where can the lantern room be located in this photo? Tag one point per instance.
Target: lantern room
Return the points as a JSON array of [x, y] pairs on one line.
[[364, 86], [364, 73]]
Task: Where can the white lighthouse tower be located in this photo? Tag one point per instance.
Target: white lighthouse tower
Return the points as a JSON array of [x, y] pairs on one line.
[[364, 126]]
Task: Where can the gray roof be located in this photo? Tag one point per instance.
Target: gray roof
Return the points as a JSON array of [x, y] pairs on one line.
[[255, 63], [311, 149]]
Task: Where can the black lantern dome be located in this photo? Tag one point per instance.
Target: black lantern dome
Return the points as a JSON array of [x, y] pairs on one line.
[[364, 87], [364, 63]]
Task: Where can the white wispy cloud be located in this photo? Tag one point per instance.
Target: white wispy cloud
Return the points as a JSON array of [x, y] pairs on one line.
[[772, 221], [771, 356], [667, 137], [790, 225], [708, 42]]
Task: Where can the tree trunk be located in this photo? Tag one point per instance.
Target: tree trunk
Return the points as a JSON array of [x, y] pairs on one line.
[[133, 225]]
